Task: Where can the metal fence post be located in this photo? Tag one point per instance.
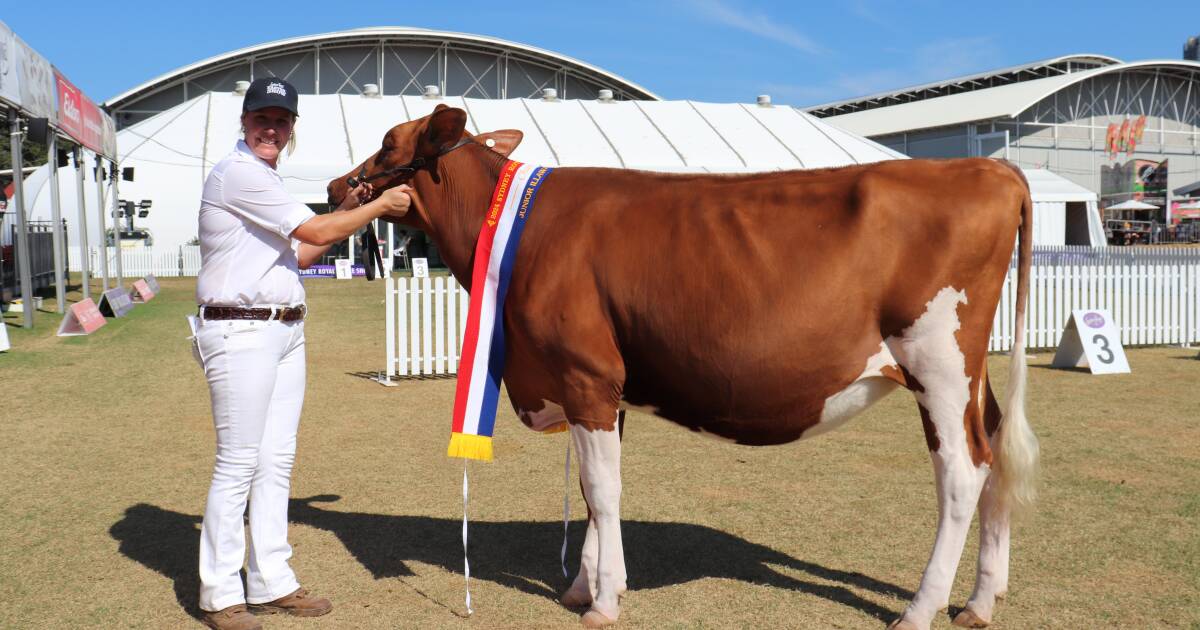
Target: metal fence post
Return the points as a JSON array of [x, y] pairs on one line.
[[60, 294], [99, 172], [114, 177], [85, 259], [24, 270]]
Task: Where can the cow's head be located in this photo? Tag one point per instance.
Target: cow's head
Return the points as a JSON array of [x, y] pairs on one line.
[[415, 147]]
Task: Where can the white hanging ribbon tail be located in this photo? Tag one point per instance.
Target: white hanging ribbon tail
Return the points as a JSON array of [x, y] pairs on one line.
[[466, 563], [566, 505]]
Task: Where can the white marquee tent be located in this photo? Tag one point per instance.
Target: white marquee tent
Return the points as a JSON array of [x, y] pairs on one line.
[[173, 151]]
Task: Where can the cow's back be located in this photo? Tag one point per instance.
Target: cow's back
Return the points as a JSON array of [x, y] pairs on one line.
[[750, 298]]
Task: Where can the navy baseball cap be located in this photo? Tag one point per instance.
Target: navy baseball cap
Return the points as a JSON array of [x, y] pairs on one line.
[[271, 92]]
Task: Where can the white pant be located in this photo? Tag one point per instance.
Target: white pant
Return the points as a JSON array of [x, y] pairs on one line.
[[255, 372]]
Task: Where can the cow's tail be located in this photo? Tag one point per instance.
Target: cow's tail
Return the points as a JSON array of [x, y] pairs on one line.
[[1016, 452]]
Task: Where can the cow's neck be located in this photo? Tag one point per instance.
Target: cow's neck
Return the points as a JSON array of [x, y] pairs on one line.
[[454, 207]]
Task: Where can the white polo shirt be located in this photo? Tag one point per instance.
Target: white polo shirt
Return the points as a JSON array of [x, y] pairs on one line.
[[247, 254]]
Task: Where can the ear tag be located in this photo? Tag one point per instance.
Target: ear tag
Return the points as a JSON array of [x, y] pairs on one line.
[[490, 142]]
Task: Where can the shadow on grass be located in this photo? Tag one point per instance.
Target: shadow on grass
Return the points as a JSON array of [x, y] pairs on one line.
[[522, 555], [1077, 370], [167, 542]]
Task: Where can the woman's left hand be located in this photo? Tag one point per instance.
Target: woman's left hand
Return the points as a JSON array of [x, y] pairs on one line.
[[357, 196]]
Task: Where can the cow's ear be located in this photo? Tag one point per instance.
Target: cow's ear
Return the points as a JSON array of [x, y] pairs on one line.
[[445, 127], [504, 141]]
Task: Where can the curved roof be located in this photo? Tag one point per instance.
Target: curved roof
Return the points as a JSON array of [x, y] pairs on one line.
[[173, 151], [392, 35], [1054, 66], [1006, 101]]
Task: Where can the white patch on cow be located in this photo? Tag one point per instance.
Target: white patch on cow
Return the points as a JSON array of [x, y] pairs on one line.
[[549, 415], [930, 352], [866, 390]]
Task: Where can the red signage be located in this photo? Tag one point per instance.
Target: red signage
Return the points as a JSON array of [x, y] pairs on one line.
[[78, 116], [82, 318], [144, 294]]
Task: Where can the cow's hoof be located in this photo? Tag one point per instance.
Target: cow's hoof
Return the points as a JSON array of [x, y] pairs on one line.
[[573, 598], [596, 619], [968, 619], [902, 624]]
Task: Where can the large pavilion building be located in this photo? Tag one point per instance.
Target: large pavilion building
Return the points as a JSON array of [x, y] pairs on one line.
[[1126, 131]]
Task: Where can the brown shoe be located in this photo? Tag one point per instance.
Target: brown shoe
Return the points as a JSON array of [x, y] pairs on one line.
[[299, 603], [235, 617]]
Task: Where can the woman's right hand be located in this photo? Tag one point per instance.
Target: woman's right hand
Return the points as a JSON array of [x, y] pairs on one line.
[[395, 201]]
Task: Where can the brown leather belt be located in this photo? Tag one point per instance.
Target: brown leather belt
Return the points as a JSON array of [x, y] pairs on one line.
[[288, 314]]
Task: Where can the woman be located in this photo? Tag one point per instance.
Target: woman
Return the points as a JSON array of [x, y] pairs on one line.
[[250, 341]]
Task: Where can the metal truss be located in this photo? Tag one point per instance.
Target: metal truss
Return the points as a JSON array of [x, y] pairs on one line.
[[395, 66]]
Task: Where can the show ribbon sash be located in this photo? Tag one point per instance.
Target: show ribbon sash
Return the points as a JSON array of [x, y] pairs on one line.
[[482, 363]]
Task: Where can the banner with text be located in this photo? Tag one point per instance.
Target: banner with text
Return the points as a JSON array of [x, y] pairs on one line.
[[78, 116]]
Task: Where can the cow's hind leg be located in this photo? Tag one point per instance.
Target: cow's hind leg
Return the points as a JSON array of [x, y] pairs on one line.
[[991, 577], [948, 387]]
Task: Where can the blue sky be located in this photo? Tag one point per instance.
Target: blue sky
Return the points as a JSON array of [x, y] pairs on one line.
[[712, 50]]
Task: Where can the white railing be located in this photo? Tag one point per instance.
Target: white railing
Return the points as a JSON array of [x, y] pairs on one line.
[[1153, 296], [425, 323], [141, 261]]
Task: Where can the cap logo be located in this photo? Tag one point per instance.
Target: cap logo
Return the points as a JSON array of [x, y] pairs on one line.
[[275, 87]]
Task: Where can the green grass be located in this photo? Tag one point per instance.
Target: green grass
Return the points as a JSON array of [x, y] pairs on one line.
[[109, 447]]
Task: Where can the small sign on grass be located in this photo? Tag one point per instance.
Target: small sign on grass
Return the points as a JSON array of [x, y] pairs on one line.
[[142, 291], [115, 302], [1092, 341], [82, 318]]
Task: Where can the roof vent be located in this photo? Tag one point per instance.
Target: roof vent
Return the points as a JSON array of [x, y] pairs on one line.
[[371, 90], [764, 100], [549, 94], [432, 91], [240, 87], [605, 95]]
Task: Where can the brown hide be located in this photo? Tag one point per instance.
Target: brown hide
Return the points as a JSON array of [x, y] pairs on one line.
[[732, 304]]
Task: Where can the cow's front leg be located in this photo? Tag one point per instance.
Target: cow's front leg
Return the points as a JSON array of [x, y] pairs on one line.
[[583, 590], [599, 452]]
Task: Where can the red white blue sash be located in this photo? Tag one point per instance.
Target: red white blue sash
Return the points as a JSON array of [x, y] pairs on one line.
[[482, 363]]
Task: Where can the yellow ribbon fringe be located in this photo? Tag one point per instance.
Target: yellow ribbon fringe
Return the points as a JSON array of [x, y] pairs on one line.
[[470, 446]]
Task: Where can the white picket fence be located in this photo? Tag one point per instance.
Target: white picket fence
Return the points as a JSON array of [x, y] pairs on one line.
[[1152, 294], [141, 261], [425, 323]]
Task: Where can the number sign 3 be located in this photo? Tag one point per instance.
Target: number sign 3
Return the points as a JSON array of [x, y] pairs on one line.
[[1091, 340]]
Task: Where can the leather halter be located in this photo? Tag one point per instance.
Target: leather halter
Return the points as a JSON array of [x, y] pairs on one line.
[[354, 180]]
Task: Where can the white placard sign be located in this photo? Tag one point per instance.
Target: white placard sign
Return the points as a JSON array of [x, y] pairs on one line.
[[1091, 340], [10, 90], [420, 267], [4, 337], [343, 268]]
